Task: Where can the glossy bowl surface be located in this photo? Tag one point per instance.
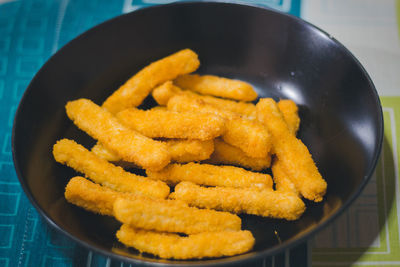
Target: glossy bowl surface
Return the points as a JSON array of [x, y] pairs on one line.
[[282, 56]]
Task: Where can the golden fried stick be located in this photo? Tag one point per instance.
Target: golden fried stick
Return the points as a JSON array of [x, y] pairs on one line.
[[170, 124], [225, 153], [187, 103], [266, 203], [167, 90], [294, 155], [217, 86], [130, 145], [70, 153], [181, 150], [132, 92], [100, 199], [250, 136], [281, 178], [102, 152], [170, 217], [93, 197], [196, 246], [247, 110], [206, 174], [290, 113]]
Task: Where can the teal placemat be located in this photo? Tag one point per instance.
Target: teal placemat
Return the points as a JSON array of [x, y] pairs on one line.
[[30, 32]]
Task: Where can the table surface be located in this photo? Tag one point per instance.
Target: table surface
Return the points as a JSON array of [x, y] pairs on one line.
[[366, 235]]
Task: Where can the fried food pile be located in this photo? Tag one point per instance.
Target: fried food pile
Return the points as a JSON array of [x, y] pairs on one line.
[[202, 149]]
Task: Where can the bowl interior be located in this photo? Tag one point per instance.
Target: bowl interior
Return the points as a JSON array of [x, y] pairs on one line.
[[283, 57]]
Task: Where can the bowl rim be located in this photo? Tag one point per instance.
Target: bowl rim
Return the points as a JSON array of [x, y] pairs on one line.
[[238, 259]]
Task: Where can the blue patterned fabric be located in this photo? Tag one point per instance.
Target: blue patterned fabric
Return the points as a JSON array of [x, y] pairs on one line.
[[30, 32]]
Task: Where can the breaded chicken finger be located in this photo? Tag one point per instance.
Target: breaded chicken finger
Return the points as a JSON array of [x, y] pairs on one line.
[[250, 136], [130, 145], [266, 203], [217, 86], [93, 197], [281, 178], [211, 175], [247, 110], [102, 152], [100, 199], [169, 124], [292, 153], [70, 153], [290, 113], [196, 246], [135, 90], [181, 150], [163, 216], [167, 90], [186, 103], [225, 153]]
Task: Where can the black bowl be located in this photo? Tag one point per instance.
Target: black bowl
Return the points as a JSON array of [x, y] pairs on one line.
[[282, 56]]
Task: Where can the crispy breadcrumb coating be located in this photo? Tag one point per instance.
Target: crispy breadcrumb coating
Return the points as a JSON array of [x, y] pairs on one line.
[[167, 90], [181, 150], [187, 103], [290, 113], [292, 153], [93, 197], [247, 110], [102, 152], [196, 246], [164, 92], [217, 86], [70, 153], [170, 124], [248, 135], [130, 145], [281, 178], [166, 216], [225, 153], [266, 203], [211, 175], [100, 199], [136, 89]]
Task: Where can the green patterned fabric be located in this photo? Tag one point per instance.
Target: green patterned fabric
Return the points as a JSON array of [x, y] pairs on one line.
[[368, 233], [398, 15]]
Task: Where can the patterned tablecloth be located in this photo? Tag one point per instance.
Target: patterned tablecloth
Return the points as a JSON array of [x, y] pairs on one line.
[[366, 235]]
